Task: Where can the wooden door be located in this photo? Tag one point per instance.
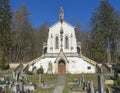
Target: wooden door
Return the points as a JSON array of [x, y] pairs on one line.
[[61, 68]]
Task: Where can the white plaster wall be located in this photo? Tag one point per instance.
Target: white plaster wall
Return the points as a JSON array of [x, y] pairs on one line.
[[44, 63], [67, 31], [76, 65]]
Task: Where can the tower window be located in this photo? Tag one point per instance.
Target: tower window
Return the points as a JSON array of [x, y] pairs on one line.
[[56, 42], [66, 42]]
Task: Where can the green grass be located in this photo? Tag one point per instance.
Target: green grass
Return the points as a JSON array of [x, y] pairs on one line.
[[6, 72], [87, 78], [43, 90], [35, 80], [66, 89], [51, 78]]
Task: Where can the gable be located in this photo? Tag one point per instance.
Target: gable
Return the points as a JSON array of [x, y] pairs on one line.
[[58, 25]]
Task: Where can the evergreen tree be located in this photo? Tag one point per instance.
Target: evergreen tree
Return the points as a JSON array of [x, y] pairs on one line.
[[104, 25], [5, 28]]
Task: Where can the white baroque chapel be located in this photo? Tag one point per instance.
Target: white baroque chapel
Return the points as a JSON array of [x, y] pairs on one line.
[[62, 52]]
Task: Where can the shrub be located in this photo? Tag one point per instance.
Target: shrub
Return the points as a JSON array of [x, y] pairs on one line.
[[40, 71], [29, 72], [2, 63], [117, 82]]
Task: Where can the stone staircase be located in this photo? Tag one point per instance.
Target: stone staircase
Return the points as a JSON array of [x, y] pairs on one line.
[[89, 60], [60, 84], [60, 80], [35, 60], [103, 68], [32, 62]]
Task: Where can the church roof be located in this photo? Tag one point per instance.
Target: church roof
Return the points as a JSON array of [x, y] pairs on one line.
[[63, 22]]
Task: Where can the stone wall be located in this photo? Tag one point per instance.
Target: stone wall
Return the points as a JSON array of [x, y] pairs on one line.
[[14, 65]]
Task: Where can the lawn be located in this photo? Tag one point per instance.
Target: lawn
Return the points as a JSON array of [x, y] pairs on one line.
[[51, 78], [6, 72], [35, 80], [87, 78]]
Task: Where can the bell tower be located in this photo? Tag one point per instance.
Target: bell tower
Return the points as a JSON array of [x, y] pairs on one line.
[[61, 15]]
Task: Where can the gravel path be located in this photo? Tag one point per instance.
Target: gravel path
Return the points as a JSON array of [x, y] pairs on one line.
[[60, 84]]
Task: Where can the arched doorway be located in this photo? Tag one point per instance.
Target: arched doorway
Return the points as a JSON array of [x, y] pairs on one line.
[[61, 67]]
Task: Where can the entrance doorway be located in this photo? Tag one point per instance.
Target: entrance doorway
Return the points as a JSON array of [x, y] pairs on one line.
[[61, 67]]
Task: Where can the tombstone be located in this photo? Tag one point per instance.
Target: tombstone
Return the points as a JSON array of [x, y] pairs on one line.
[[108, 90], [7, 79], [88, 87], [13, 74], [18, 76], [40, 78], [100, 83], [21, 87], [34, 70], [85, 85], [16, 88], [25, 77], [91, 87], [27, 91], [18, 72], [0, 89], [83, 79], [80, 83]]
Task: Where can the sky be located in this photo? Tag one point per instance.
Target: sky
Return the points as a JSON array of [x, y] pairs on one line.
[[47, 11]]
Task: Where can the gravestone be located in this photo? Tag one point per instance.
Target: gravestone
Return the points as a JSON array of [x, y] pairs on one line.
[[85, 85], [79, 82], [34, 70], [18, 72], [100, 83], [108, 90], [91, 87], [21, 87], [40, 78], [83, 80], [7, 79], [27, 91]]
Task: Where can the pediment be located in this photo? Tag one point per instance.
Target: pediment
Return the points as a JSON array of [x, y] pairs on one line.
[[58, 23], [61, 56]]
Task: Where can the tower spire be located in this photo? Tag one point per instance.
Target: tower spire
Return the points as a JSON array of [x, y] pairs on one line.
[[61, 15]]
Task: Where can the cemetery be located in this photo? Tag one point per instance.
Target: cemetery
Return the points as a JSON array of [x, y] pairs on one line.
[[88, 83], [15, 80], [61, 56]]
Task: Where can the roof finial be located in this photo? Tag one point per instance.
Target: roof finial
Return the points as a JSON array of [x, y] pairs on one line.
[[61, 15]]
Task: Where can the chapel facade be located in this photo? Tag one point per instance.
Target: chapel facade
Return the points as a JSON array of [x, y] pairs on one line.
[[62, 52]]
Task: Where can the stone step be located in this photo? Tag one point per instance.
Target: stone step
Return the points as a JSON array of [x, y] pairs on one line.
[[60, 80]]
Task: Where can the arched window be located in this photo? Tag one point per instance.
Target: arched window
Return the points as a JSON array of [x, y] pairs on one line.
[[78, 50], [45, 50], [56, 42], [66, 42]]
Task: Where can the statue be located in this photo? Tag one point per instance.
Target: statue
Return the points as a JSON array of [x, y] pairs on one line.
[[50, 67]]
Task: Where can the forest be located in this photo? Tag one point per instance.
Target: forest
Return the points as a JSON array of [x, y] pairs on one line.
[[21, 42]]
